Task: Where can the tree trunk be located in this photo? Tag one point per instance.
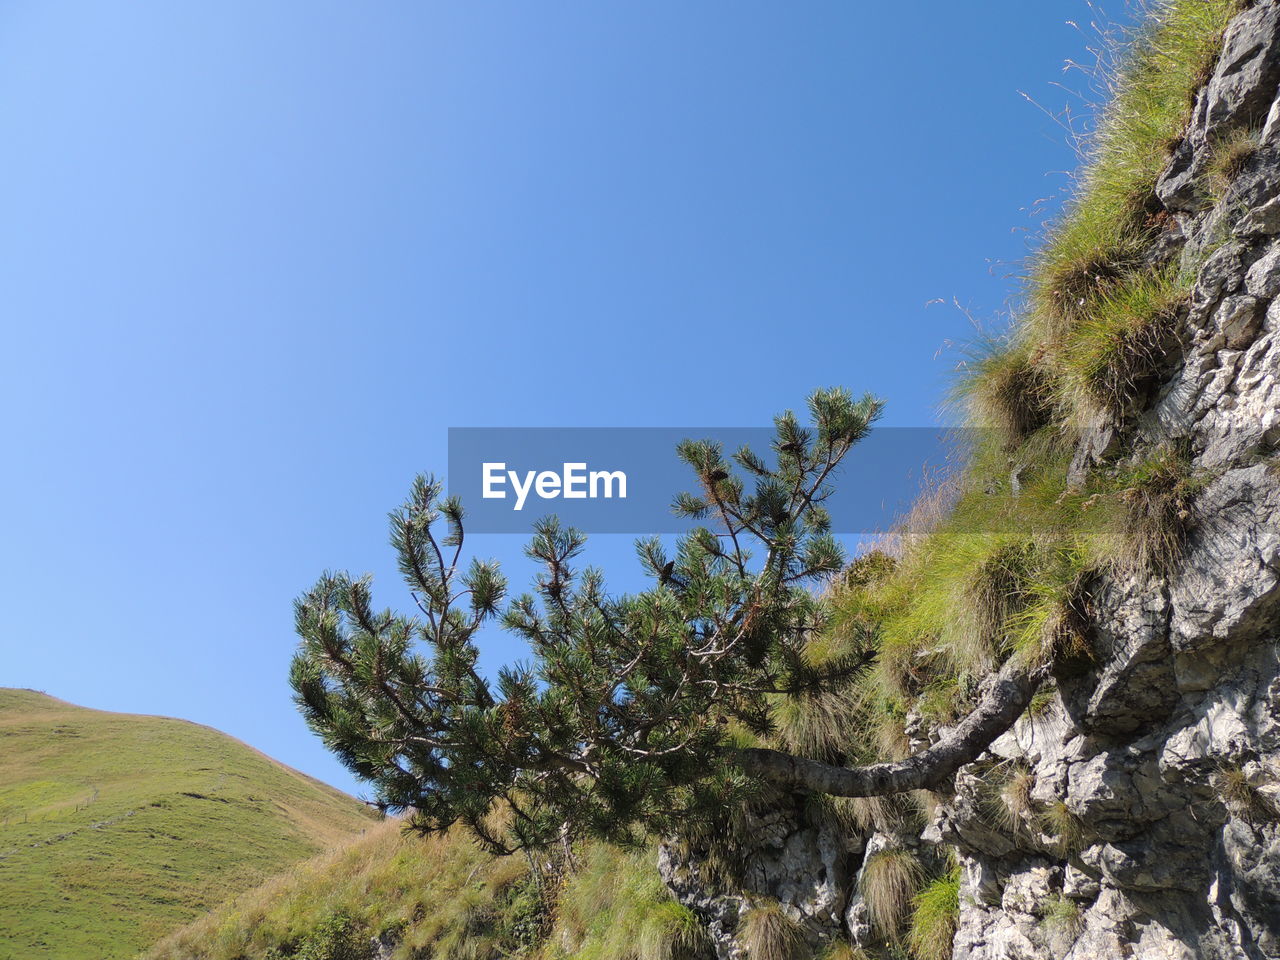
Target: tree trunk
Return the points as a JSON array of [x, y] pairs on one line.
[[1000, 707]]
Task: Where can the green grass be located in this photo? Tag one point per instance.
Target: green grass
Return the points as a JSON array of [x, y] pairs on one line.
[[1114, 349], [1094, 325], [935, 911], [1230, 155], [1060, 914], [115, 829], [445, 898], [1107, 223]]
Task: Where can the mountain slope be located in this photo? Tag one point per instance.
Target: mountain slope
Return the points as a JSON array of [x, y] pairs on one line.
[[115, 828], [401, 896]]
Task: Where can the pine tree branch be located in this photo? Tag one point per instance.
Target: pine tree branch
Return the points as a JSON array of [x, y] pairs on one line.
[[1006, 700]]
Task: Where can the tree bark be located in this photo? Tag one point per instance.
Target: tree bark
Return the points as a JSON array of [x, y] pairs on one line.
[[1001, 706]]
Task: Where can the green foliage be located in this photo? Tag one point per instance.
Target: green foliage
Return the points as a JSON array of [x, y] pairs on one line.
[[936, 909], [115, 829], [334, 938], [618, 724]]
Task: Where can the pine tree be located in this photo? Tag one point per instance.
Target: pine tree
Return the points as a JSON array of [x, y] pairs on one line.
[[622, 722]]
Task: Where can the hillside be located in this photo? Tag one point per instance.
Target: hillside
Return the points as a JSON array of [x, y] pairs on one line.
[[399, 896], [116, 828]]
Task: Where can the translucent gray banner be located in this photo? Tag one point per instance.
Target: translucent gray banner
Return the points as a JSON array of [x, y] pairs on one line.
[[624, 479]]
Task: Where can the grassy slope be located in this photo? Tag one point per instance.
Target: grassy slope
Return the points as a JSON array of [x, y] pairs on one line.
[[443, 897], [116, 828]]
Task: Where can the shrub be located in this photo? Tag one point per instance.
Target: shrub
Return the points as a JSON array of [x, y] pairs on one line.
[[337, 937]]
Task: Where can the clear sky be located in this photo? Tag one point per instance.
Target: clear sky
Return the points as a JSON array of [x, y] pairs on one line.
[[257, 257]]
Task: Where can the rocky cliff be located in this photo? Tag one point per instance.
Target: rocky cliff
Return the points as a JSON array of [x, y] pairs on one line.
[[1140, 802]]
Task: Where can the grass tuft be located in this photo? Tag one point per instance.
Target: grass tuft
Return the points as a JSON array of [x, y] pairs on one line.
[[1158, 494], [1242, 797], [936, 910], [1060, 915], [1113, 354], [1007, 388], [1228, 158], [888, 883], [768, 933], [670, 931], [1064, 827], [1015, 798]]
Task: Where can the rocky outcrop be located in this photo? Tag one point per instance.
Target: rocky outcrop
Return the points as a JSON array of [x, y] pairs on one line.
[[791, 853], [1166, 756], [1163, 758]]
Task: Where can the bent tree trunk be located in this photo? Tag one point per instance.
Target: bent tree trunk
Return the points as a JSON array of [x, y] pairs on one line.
[[999, 709]]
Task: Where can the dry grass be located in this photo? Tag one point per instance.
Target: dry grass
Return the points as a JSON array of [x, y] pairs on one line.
[[864, 815], [1016, 809], [888, 883], [1007, 388], [1159, 496], [768, 933], [1241, 795], [1064, 828], [1228, 158], [842, 950], [817, 724]]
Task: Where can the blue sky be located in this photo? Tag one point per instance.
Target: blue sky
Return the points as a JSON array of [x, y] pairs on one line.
[[258, 257]]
